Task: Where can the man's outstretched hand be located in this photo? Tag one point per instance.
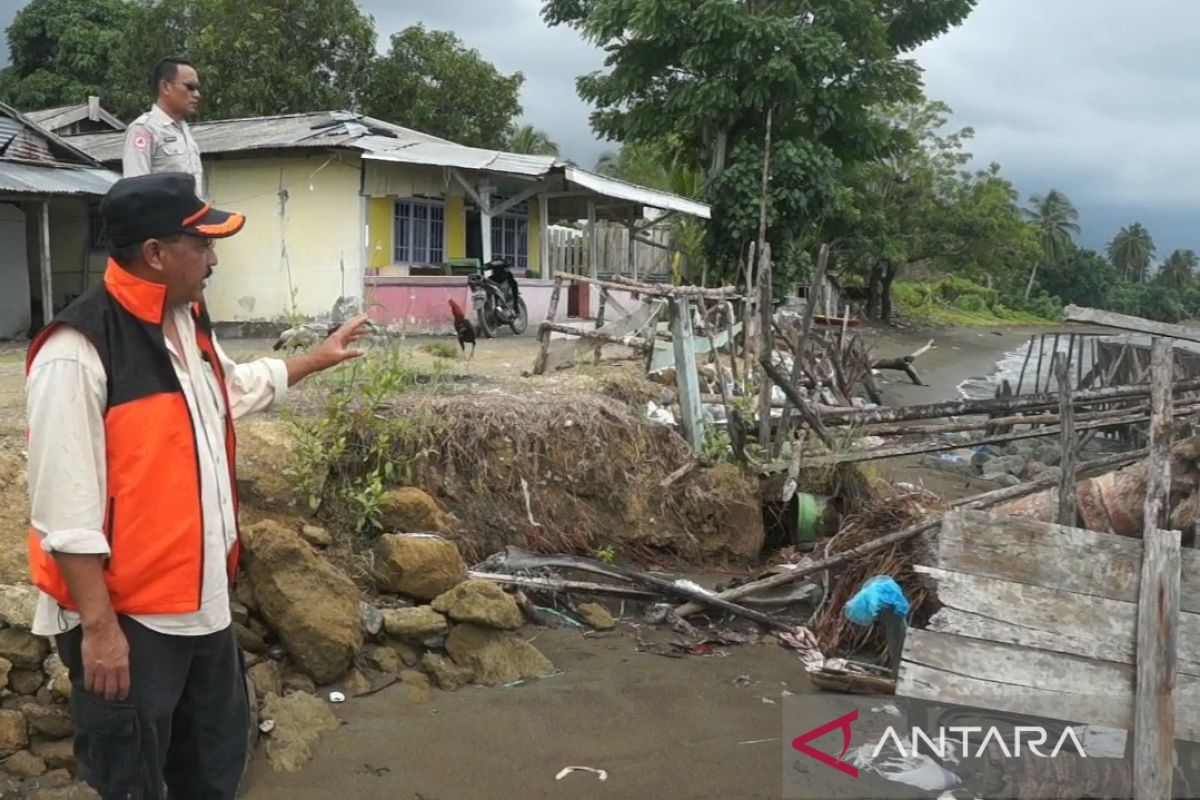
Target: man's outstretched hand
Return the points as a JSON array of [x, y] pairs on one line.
[[336, 349]]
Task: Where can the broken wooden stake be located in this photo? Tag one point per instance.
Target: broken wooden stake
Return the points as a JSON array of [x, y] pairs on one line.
[[1066, 484]]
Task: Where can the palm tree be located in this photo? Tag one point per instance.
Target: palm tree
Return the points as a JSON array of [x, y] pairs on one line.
[[1178, 270], [531, 141], [1131, 252], [1056, 221]]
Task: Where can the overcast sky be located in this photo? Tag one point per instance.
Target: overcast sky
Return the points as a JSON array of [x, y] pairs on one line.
[[1097, 98]]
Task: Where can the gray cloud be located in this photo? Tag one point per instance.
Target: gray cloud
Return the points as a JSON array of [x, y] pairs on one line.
[[1094, 97]]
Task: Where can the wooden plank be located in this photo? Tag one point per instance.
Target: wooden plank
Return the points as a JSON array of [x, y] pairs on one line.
[[1158, 603], [1043, 554], [1073, 313], [687, 379], [1155, 723], [1048, 619], [539, 364], [580, 341], [1066, 410], [1004, 677]]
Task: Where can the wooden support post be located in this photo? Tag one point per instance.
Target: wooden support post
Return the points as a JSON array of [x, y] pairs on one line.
[[1037, 375], [1066, 410], [600, 320], [539, 365], [686, 378], [485, 222], [47, 268], [593, 242], [768, 345], [1158, 602], [1024, 364], [894, 627], [633, 265], [544, 236]]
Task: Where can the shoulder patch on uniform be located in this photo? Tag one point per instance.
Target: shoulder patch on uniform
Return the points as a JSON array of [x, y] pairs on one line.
[[141, 140]]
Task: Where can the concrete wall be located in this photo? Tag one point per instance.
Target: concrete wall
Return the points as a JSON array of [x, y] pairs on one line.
[[420, 302], [304, 244], [14, 274]]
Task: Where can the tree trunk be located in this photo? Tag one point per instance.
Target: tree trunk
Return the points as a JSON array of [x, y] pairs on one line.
[[1029, 286], [889, 275], [873, 291]]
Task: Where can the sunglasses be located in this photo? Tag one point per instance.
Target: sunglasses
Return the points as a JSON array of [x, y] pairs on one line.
[[191, 87]]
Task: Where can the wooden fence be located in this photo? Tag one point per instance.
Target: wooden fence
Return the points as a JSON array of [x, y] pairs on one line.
[[568, 252]]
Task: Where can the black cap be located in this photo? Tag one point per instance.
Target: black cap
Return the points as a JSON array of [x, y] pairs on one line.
[[159, 205]]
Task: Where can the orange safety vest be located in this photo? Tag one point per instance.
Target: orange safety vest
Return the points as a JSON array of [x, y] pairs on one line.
[[154, 519]]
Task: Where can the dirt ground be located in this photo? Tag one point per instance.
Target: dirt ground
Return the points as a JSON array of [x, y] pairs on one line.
[[661, 727]]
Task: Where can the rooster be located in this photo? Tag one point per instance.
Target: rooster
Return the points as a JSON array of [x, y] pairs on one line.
[[463, 327], [303, 336]]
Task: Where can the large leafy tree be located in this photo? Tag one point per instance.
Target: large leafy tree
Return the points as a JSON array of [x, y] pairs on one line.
[[1178, 271], [1057, 222], [431, 82], [61, 51], [255, 59], [1131, 252], [710, 72]]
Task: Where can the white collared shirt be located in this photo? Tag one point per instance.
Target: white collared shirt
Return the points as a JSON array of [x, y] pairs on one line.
[[66, 396], [156, 142]]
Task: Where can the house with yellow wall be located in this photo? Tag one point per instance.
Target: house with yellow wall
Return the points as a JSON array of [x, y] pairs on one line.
[[345, 212]]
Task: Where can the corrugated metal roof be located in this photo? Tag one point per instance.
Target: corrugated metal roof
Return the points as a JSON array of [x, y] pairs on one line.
[[18, 140], [39, 179], [383, 141], [55, 119]]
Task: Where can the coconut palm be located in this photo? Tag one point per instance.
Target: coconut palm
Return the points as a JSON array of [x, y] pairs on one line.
[[531, 141], [1056, 220], [1178, 270], [1131, 252]]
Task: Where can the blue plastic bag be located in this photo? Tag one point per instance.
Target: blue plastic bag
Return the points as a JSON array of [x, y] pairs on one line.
[[875, 595]]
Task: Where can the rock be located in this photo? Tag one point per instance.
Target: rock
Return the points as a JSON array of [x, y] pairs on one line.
[[245, 596], [250, 659], [300, 719], [14, 516], [57, 755], [316, 536], [495, 657], [53, 722], [1004, 479], [17, 604], [1013, 465], [414, 623], [372, 619], [14, 734], [60, 787], [265, 456], [1052, 474], [384, 659], [596, 616], [1050, 454], [25, 681], [415, 687], [24, 764], [446, 674], [308, 603], [298, 682], [5, 669], [409, 653], [266, 679], [417, 565], [1033, 469], [239, 611], [356, 684], [482, 602], [259, 629], [410, 510], [249, 641], [22, 648]]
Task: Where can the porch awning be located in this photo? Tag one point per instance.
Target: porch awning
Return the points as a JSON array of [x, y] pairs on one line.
[[569, 177], [39, 180]]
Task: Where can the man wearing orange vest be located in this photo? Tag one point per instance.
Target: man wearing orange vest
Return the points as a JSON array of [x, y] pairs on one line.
[[133, 540]]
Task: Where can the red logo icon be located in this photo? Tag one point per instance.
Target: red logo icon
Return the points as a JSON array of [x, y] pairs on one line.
[[842, 723]]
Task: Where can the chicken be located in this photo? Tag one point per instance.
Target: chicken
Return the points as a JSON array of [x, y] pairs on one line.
[[303, 336], [463, 328]]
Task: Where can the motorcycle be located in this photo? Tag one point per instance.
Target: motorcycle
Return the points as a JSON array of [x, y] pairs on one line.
[[497, 299]]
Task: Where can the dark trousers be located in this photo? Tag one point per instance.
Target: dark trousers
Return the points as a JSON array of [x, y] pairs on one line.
[[183, 729]]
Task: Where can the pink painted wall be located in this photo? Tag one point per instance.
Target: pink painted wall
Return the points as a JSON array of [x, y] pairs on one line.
[[423, 302]]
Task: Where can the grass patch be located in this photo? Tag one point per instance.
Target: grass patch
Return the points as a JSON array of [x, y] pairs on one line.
[[441, 350], [957, 302]]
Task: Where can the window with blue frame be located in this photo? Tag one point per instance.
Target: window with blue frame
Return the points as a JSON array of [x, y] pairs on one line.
[[510, 236], [419, 232]]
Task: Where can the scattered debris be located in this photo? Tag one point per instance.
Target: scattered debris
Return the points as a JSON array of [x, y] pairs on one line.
[[565, 771]]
